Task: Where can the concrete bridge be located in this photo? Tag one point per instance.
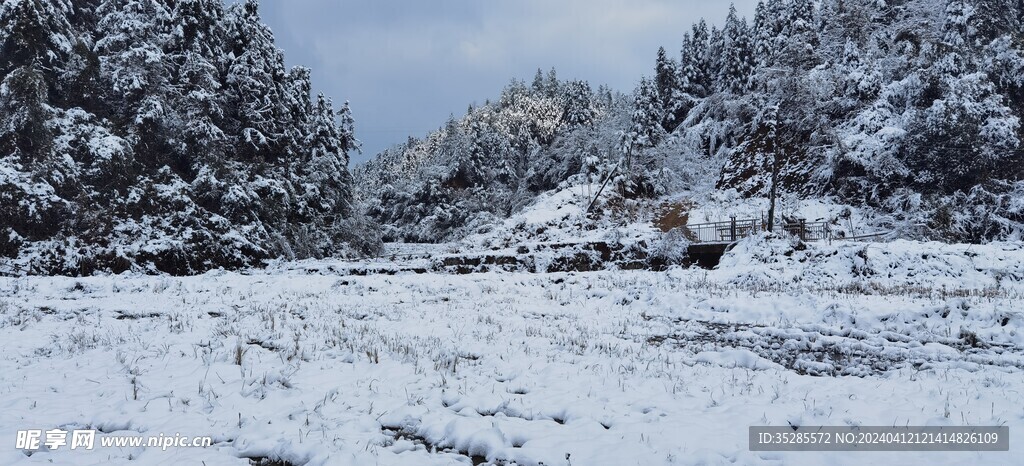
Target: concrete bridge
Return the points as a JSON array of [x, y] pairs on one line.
[[709, 241]]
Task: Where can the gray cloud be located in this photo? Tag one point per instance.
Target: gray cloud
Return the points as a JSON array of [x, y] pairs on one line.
[[406, 65]]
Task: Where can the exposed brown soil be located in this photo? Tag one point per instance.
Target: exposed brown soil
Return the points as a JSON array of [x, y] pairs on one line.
[[673, 215]]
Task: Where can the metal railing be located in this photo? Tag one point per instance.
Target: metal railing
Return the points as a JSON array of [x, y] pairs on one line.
[[734, 230], [813, 231]]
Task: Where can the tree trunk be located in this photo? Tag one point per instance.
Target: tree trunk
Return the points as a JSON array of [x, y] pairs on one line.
[[773, 191]]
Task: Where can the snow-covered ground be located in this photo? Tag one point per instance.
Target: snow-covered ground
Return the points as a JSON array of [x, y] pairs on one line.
[[311, 366], [560, 216]]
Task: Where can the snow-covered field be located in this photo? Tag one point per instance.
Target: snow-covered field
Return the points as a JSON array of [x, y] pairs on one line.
[[307, 366]]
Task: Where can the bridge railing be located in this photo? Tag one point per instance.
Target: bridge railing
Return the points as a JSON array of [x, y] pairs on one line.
[[734, 230], [809, 231], [721, 232]]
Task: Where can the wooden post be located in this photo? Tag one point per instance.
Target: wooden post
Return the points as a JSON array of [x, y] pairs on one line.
[[732, 228], [803, 229]]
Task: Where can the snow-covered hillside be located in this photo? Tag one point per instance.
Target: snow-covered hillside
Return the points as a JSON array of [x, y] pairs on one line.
[[309, 366], [909, 112]]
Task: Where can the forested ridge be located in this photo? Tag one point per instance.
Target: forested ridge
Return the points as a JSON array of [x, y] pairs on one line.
[[164, 135], [910, 108], [493, 161]]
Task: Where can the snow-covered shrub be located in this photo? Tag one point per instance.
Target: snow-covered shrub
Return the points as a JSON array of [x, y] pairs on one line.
[[670, 249], [981, 214]]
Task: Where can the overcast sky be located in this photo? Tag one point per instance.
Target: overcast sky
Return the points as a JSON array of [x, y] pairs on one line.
[[406, 65]]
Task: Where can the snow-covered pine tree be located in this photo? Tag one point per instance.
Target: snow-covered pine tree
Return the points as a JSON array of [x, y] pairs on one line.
[[798, 36], [702, 60], [645, 129], [552, 87], [737, 61], [489, 153], [538, 82], [765, 42], [255, 73], [765, 33], [199, 26], [861, 80], [131, 39], [196, 48], [687, 64], [578, 104], [320, 213], [716, 59], [347, 141], [686, 91], [1004, 62], [327, 147], [135, 71], [298, 110], [50, 154], [666, 79], [203, 141]]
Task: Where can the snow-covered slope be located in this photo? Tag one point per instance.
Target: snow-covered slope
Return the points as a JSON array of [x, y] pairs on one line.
[[779, 261]]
